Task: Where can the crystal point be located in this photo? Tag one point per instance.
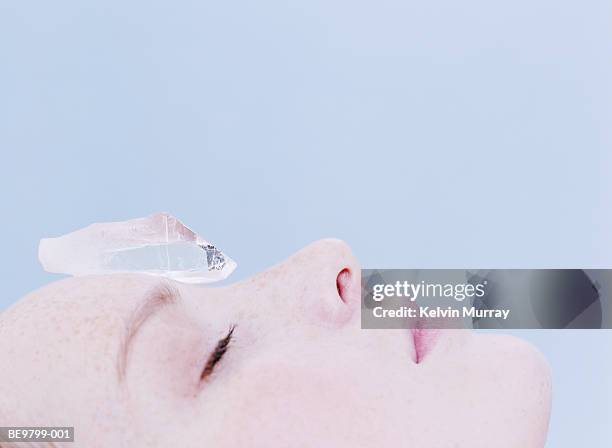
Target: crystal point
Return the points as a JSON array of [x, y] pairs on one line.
[[158, 244]]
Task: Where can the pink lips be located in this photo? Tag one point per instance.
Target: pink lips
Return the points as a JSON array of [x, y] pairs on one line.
[[424, 341]]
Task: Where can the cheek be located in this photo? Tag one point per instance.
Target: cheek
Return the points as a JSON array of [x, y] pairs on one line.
[[267, 400], [297, 401]]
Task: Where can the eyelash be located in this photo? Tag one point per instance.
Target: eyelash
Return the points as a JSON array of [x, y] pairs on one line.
[[217, 354]]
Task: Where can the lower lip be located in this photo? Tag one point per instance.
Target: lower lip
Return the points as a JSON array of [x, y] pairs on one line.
[[424, 341]]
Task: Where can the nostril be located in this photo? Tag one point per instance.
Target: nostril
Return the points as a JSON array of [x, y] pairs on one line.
[[343, 282]]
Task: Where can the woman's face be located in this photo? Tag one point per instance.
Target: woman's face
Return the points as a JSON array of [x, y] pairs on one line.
[[132, 360]]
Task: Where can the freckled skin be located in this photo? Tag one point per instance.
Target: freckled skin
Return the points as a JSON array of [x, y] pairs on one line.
[[299, 371]]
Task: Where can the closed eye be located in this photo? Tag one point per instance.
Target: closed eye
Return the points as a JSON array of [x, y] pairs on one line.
[[216, 355]]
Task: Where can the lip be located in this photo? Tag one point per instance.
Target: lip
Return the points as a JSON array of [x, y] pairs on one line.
[[424, 342]]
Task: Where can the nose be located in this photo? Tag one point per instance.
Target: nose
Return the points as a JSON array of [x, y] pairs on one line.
[[324, 280]]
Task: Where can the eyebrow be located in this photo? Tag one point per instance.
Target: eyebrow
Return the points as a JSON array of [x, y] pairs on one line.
[[159, 297]]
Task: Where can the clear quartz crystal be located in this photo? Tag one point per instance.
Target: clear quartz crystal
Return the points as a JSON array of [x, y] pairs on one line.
[[158, 245]]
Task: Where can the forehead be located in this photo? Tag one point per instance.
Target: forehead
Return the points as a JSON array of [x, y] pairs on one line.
[[59, 336], [72, 312], [105, 295], [95, 310]]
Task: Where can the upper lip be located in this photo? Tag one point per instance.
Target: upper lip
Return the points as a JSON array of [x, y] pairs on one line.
[[424, 340]]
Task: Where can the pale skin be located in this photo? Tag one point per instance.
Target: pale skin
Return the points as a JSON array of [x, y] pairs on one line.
[[126, 360]]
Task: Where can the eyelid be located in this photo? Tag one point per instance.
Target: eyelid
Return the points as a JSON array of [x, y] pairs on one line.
[[215, 356], [161, 296]]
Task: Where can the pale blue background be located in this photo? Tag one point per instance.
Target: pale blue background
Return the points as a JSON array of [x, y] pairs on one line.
[[426, 134]]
